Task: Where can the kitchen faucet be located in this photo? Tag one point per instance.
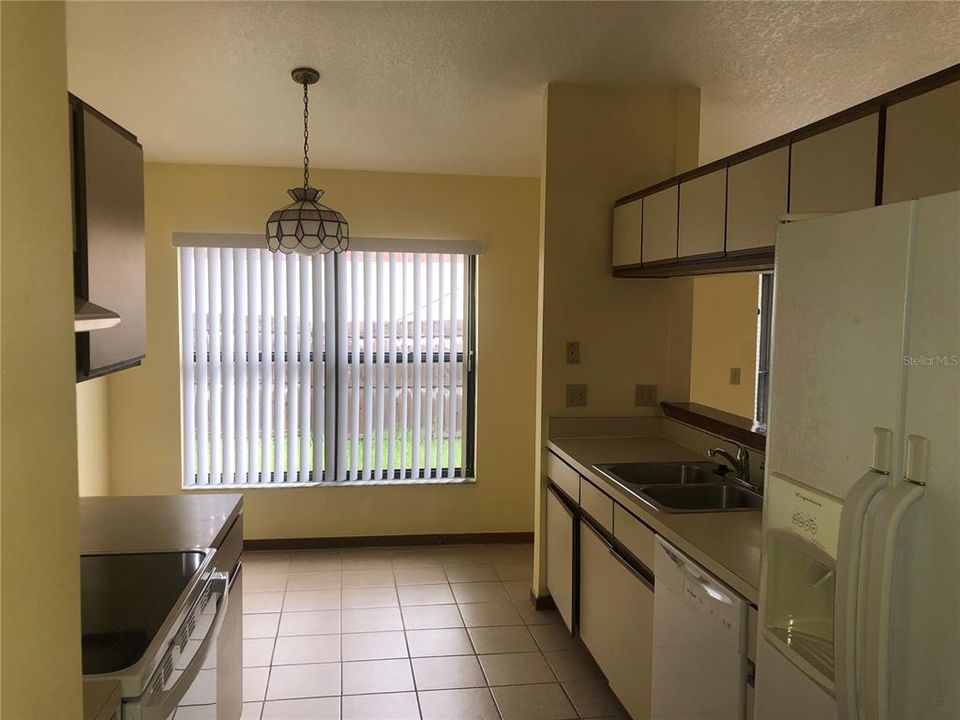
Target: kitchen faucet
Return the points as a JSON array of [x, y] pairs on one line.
[[740, 463]]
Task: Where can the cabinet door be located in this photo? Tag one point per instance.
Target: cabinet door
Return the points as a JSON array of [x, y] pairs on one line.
[[560, 556], [836, 170], [756, 198], [703, 203], [922, 147], [660, 225], [616, 621], [627, 220], [111, 242], [597, 629]]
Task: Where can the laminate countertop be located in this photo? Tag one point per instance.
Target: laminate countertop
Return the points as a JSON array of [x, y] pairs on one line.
[[726, 544], [156, 522]]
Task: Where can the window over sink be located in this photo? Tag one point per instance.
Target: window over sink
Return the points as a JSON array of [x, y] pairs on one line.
[[348, 368]]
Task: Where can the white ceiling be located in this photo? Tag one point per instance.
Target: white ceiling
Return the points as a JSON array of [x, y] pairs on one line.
[[456, 87]]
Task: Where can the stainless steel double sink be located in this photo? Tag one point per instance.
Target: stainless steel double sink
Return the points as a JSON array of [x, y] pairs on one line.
[[687, 487]]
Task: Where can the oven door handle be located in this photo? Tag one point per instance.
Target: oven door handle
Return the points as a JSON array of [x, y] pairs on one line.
[[163, 705]]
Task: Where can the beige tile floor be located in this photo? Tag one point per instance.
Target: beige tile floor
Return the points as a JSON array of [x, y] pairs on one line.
[[390, 633]]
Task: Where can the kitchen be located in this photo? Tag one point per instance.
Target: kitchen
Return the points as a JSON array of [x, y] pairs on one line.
[[594, 246]]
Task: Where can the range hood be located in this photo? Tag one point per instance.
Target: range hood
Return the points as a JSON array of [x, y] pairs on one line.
[[90, 316]]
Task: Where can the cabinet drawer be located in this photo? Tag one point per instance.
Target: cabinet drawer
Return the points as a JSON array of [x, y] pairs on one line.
[[836, 170], [752, 634], [635, 536], [627, 221], [703, 206], [596, 504], [563, 476], [660, 225]]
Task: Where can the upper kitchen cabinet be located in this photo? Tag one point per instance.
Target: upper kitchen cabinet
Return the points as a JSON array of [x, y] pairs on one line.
[[922, 149], [836, 170], [756, 198], [660, 225], [109, 266], [703, 205], [627, 227]]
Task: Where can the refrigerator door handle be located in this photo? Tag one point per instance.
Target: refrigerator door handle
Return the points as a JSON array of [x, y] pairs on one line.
[[851, 579], [879, 611], [851, 576]]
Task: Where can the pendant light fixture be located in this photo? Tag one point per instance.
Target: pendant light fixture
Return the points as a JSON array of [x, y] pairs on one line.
[[305, 226]]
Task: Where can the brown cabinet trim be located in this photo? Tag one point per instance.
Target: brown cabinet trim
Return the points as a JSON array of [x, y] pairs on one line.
[[746, 260], [717, 422], [877, 104]]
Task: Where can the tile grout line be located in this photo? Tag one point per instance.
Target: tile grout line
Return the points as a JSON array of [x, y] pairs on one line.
[[406, 643]]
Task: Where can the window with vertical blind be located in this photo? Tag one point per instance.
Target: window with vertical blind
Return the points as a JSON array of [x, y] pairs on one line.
[[298, 370]]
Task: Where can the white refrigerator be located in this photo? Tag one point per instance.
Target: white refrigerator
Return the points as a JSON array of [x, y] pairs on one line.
[[860, 596]]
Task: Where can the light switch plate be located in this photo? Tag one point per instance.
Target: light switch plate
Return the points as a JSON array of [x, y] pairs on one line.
[[573, 352], [734, 376], [645, 395], [576, 395]]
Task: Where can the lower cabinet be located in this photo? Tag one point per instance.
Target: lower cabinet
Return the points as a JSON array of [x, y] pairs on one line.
[[560, 530], [616, 620]]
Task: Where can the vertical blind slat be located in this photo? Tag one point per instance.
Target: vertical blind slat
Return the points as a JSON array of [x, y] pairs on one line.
[[253, 364], [354, 381], [403, 362], [441, 364], [304, 361], [381, 358], [239, 362], [392, 349], [452, 378], [368, 372], [213, 363], [188, 310], [227, 398], [317, 367], [279, 376], [428, 420], [418, 275], [203, 363], [266, 371], [292, 347], [337, 420]]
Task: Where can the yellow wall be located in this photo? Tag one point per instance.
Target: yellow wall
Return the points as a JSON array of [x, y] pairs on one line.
[[501, 212], [600, 144], [39, 551], [724, 337], [93, 449]]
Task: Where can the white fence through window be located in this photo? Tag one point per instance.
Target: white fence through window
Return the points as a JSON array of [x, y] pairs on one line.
[[328, 368]]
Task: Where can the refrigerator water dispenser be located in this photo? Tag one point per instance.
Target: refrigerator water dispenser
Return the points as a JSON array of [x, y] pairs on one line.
[[801, 550]]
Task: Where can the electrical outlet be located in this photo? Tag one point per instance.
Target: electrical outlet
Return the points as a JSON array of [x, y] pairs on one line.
[[573, 352], [645, 395], [576, 395], [734, 376]]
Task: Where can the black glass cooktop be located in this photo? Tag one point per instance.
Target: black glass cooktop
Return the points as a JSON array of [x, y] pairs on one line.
[[125, 599]]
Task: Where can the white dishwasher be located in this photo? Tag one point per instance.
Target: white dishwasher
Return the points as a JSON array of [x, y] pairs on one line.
[[699, 642]]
